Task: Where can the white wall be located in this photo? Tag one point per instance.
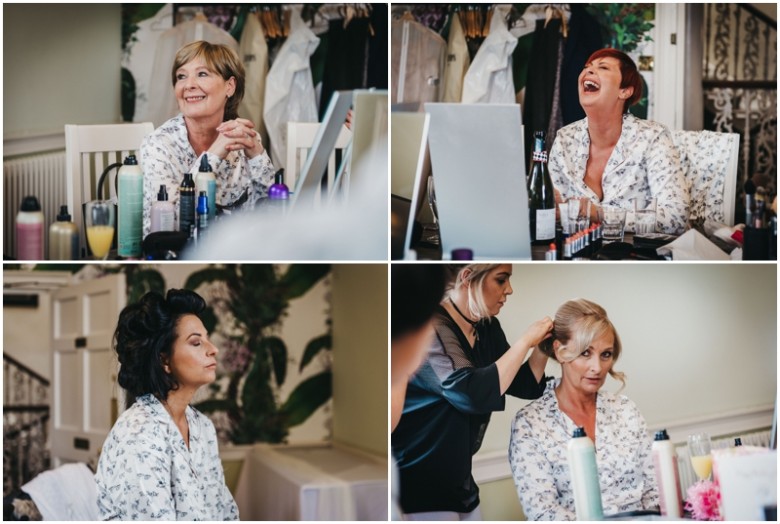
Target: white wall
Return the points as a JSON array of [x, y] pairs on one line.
[[61, 64], [698, 339]]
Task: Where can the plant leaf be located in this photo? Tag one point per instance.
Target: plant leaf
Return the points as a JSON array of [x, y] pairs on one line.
[[257, 398], [206, 276], [216, 404], [142, 281], [277, 349], [314, 346], [306, 398], [209, 319], [300, 278]]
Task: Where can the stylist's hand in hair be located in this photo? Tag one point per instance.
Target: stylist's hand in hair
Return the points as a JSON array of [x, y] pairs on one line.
[[538, 331]]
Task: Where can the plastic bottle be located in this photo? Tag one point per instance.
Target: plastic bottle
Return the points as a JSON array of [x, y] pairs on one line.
[[203, 213], [63, 237], [667, 475], [584, 476], [186, 203], [206, 181], [162, 213], [279, 193], [29, 230], [131, 205]]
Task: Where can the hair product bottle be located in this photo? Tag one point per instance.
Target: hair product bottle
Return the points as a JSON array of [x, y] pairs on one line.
[[206, 181], [29, 230], [279, 193], [667, 475], [131, 205], [584, 477], [163, 216], [186, 203], [63, 237], [203, 213]]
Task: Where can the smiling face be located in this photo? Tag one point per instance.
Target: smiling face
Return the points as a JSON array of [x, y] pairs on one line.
[[588, 371], [599, 85], [496, 288], [193, 361], [201, 92]]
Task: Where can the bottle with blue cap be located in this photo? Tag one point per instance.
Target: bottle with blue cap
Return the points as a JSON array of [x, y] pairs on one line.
[[203, 212], [206, 181]]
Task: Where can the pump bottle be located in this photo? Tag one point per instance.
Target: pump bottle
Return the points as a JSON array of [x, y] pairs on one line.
[[29, 230], [63, 237], [162, 213]]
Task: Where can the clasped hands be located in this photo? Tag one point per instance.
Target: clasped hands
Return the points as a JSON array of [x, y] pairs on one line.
[[235, 135]]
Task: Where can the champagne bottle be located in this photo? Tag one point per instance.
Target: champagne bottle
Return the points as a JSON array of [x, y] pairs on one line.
[[541, 202], [538, 148]]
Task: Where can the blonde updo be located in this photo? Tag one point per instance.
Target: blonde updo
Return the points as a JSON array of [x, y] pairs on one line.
[[577, 324]]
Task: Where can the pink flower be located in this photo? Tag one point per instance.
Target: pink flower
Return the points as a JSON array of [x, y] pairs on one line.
[[235, 356], [704, 501]]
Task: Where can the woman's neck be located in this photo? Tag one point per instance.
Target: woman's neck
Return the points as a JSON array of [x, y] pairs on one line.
[[605, 129], [574, 398], [460, 301], [201, 133], [177, 402]]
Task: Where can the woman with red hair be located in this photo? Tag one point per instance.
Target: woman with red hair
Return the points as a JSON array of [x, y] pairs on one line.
[[614, 158]]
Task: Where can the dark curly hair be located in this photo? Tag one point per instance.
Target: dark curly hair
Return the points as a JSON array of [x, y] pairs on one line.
[[144, 334]]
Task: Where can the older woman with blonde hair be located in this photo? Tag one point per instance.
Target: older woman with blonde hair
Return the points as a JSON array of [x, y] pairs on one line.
[[469, 368], [586, 345], [208, 83]]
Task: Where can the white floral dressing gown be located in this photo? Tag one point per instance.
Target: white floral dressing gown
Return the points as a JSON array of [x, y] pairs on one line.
[[166, 154], [537, 456], [146, 472], [645, 163]]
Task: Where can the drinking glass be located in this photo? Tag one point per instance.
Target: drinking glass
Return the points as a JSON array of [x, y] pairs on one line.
[[700, 451], [100, 221], [613, 223], [433, 237], [644, 211]]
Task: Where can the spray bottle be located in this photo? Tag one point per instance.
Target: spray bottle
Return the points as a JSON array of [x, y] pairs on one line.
[[162, 212], [584, 477], [131, 205], [667, 475], [187, 204], [29, 230], [206, 181]]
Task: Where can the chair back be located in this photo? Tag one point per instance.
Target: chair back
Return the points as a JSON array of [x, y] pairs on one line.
[[300, 139], [709, 160], [89, 149]]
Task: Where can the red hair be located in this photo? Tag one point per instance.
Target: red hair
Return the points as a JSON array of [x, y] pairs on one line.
[[629, 73]]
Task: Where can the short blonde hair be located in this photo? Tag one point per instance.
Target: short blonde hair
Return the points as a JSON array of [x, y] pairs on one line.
[[220, 59], [577, 323], [474, 284]]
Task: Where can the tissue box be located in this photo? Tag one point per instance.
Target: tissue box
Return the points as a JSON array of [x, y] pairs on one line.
[[748, 481]]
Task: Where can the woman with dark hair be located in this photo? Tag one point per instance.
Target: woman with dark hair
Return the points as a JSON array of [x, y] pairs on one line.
[[587, 346], [160, 460], [470, 367], [208, 82], [614, 158]]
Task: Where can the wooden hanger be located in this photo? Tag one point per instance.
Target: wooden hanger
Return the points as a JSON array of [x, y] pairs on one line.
[[552, 12]]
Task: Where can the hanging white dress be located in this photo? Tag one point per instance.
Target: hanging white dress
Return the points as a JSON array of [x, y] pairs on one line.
[[289, 88], [253, 50], [489, 79], [162, 102]]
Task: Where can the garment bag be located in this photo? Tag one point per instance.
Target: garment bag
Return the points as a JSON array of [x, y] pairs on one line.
[[253, 51]]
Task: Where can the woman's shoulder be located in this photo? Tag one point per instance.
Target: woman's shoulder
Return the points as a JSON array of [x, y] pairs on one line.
[[539, 410], [643, 127], [143, 419], [573, 129], [170, 130]]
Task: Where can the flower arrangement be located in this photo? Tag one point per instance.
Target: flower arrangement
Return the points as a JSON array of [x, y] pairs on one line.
[[703, 501]]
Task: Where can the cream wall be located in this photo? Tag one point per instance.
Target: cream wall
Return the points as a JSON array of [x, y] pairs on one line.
[[360, 356], [698, 339], [61, 64]]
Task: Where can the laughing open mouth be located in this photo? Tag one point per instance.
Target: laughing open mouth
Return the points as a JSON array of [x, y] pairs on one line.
[[194, 98], [590, 86]]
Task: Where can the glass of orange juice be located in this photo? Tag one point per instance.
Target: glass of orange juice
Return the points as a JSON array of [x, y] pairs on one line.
[[700, 450], [100, 221]]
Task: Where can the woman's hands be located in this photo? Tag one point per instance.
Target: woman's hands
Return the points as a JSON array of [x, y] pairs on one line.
[[235, 135], [538, 331]]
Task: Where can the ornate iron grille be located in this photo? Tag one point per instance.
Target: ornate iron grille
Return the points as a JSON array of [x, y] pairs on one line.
[[25, 421], [740, 86]]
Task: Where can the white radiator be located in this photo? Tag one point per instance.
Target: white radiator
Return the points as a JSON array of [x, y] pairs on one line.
[[688, 477], [42, 175]]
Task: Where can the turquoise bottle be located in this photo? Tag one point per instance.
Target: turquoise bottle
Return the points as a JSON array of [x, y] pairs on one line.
[[130, 194], [584, 477]]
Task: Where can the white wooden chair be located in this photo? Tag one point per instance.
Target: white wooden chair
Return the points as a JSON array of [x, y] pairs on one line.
[[89, 149], [710, 161], [300, 138]]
